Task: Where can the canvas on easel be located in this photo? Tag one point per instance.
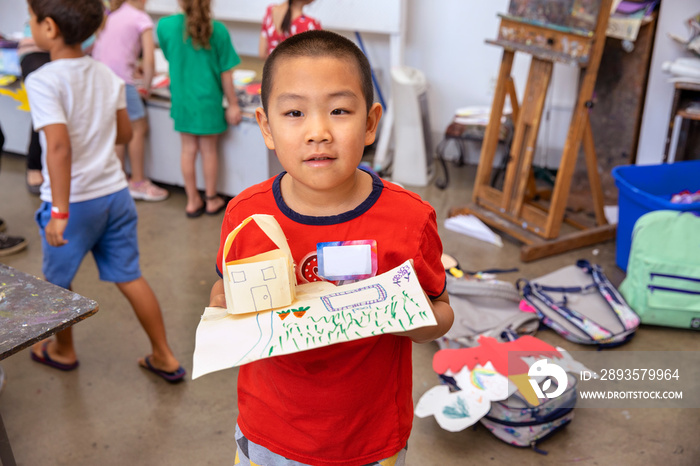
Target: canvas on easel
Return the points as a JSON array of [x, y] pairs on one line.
[[568, 31]]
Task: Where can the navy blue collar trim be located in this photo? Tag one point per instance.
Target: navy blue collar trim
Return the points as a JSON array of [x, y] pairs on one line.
[[377, 187]]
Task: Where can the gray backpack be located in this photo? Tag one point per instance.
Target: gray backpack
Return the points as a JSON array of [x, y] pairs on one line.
[[485, 307], [579, 303]]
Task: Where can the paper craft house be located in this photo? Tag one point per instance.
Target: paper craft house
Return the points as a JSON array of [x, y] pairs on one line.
[[262, 282]]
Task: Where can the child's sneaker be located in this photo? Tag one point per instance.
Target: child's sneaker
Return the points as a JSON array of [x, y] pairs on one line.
[[11, 244], [146, 191]]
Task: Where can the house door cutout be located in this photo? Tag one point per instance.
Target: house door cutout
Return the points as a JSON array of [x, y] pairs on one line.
[[261, 297]]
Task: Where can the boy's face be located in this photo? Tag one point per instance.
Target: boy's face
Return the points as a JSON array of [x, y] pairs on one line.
[[317, 120]]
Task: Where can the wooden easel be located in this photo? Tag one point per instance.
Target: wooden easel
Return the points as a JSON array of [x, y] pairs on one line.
[[513, 209]]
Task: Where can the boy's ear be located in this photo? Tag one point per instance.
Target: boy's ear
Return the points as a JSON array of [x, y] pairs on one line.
[[264, 125], [373, 117], [50, 28]]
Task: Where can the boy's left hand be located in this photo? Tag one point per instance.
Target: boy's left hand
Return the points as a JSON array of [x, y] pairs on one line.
[[444, 315], [54, 232]]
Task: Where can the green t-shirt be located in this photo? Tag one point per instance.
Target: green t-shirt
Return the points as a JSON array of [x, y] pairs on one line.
[[195, 76]]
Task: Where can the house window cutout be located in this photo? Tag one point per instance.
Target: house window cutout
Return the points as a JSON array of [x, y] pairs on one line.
[[268, 273], [238, 276]]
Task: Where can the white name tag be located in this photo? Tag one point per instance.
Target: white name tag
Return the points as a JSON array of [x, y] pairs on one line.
[[347, 260]]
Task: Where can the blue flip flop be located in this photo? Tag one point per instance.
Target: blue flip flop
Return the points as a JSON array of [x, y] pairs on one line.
[[46, 359], [172, 377]]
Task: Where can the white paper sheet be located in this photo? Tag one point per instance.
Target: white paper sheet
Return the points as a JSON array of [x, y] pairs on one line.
[[471, 226], [321, 315]]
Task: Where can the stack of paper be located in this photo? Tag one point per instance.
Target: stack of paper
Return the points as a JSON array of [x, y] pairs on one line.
[[627, 18]]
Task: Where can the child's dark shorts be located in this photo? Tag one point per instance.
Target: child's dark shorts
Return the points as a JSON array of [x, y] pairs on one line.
[[107, 227]]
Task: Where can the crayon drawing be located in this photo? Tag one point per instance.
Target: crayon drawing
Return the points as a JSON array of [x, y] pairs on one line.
[[354, 299], [372, 307]]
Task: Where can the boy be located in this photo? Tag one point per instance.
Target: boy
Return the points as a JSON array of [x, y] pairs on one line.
[[348, 403], [79, 106]]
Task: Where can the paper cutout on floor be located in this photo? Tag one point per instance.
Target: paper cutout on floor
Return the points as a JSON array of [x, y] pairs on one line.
[[457, 410], [471, 226], [268, 316], [487, 373]]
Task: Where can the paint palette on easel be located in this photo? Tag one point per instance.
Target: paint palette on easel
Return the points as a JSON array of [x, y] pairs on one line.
[[574, 15]]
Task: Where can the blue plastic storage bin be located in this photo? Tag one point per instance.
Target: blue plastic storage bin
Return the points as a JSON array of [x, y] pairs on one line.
[[645, 188]]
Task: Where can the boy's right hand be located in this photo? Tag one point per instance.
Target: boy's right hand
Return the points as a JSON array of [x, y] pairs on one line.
[[218, 300], [54, 232], [217, 297]]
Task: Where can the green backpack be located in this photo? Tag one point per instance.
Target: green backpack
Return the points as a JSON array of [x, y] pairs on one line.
[[663, 275]]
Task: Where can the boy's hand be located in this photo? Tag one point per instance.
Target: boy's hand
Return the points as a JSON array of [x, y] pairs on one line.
[[218, 300], [54, 232], [217, 297], [444, 315], [233, 115]]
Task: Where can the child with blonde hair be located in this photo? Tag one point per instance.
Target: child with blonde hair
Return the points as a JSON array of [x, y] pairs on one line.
[[128, 33], [79, 105], [201, 60], [283, 20]]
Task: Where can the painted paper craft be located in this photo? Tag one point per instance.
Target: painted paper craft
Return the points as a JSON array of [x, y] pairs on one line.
[[455, 410], [267, 315], [486, 373]]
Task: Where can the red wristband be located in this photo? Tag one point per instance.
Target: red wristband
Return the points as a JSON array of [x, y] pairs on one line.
[[58, 215]]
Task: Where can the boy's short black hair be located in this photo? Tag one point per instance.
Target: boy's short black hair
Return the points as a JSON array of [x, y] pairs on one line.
[[76, 19], [318, 43]]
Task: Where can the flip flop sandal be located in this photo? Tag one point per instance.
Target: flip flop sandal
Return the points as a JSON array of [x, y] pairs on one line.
[[46, 359], [196, 213], [172, 377], [211, 198]]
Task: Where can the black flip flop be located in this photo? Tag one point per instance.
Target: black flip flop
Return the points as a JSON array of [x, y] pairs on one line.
[[196, 213], [217, 211], [46, 360], [172, 377]]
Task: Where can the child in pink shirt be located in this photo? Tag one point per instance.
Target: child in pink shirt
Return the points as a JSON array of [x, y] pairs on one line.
[[127, 33]]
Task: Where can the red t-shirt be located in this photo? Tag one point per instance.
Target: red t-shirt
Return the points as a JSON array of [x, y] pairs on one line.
[[349, 403]]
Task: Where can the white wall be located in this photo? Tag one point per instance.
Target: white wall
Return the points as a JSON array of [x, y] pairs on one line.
[[445, 40], [13, 15], [659, 96]]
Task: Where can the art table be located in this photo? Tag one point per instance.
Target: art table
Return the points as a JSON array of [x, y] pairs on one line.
[[31, 310]]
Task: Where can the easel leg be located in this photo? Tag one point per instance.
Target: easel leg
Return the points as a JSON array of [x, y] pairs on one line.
[[523, 150], [513, 96], [579, 121], [490, 142], [593, 175]]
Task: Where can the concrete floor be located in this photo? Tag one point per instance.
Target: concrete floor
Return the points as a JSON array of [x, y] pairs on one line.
[[111, 412]]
